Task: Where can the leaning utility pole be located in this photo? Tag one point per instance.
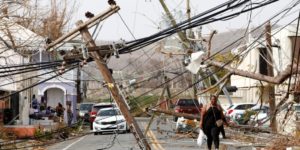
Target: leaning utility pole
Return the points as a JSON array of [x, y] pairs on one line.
[[270, 88], [97, 55], [102, 66], [190, 35]]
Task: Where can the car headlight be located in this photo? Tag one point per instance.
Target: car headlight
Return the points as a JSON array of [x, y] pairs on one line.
[[120, 121], [121, 126]]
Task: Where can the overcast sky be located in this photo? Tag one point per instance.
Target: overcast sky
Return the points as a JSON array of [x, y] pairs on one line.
[[143, 16]]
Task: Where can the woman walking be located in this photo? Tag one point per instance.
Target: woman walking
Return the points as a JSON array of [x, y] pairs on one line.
[[211, 121]]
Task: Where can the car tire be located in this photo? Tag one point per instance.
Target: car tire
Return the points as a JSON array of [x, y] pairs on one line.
[[95, 133], [127, 129]]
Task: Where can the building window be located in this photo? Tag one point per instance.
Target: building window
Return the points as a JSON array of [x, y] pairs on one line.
[[262, 61]]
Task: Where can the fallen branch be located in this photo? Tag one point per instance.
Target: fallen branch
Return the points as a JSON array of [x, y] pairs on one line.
[[281, 77]]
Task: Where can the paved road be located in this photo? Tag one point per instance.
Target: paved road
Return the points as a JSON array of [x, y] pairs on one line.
[[161, 137]]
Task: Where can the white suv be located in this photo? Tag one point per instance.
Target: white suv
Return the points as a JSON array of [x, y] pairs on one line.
[[109, 120]]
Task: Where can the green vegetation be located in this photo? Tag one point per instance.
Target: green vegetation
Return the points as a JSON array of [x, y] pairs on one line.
[[43, 135], [224, 58], [139, 104]]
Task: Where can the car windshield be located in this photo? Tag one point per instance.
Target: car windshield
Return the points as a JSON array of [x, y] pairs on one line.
[[98, 107], [187, 102], [109, 112], [230, 106], [244, 106], [85, 106]]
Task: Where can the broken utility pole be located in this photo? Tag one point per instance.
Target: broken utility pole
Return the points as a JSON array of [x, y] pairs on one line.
[[270, 87], [160, 101], [102, 66]]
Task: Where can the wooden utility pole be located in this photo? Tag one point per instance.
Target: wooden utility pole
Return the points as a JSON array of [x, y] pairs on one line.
[[270, 88], [191, 35], [167, 88], [181, 34], [102, 66], [188, 9]]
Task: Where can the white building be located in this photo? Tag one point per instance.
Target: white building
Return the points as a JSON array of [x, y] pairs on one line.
[[17, 46], [283, 45]]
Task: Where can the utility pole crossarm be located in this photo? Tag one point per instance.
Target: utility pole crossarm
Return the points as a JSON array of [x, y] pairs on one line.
[[90, 23], [103, 50]]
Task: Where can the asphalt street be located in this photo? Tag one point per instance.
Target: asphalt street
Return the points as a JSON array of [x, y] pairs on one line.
[[161, 136]]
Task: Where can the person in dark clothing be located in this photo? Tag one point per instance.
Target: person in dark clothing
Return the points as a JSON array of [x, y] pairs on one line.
[[60, 111], [34, 102], [209, 115], [222, 130]]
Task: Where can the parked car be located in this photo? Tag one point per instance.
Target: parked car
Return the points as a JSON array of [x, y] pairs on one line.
[[240, 108], [84, 110], [259, 119], [241, 113], [96, 108], [109, 120], [297, 111], [189, 106]]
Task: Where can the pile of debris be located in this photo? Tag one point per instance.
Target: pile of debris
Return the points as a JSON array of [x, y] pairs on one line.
[[268, 141]]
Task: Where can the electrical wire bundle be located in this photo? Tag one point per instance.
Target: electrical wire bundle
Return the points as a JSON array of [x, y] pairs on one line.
[[283, 13], [206, 17], [12, 70]]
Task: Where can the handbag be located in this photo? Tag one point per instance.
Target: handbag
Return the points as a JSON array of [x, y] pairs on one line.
[[219, 122]]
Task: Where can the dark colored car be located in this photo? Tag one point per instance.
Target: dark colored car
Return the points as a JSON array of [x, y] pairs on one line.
[[84, 110], [96, 108], [189, 106]]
